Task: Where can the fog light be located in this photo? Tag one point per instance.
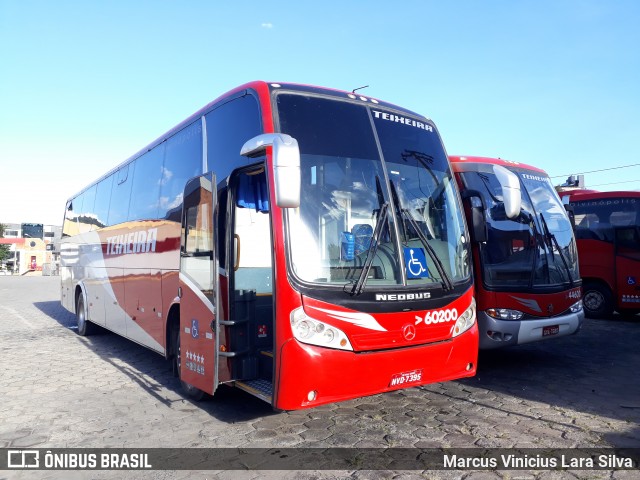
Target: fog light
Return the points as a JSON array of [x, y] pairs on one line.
[[312, 395], [469, 367]]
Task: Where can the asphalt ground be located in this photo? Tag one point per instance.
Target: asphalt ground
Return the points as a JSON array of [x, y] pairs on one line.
[[60, 390]]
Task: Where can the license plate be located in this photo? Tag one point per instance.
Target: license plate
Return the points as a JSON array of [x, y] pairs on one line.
[[550, 330], [406, 378]]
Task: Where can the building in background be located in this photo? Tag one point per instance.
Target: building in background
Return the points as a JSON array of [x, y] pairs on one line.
[[34, 247]]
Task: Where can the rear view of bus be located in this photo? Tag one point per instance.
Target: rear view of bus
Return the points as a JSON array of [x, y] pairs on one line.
[[317, 254], [525, 256]]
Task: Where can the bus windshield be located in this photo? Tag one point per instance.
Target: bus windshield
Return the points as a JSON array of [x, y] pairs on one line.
[[536, 249], [378, 203]]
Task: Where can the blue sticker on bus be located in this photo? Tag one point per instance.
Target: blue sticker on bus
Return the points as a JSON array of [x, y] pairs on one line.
[[415, 263], [195, 331]]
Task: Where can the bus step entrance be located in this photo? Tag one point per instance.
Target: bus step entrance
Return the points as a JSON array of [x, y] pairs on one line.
[[265, 364], [263, 389]]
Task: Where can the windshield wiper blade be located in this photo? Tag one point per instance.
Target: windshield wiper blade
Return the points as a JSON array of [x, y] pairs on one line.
[[554, 240], [534, 258], [446, 280], [373, 248]]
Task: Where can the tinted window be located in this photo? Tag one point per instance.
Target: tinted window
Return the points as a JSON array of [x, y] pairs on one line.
[[228, 128], [145, 192], [183, 160], [103, 197], [120, 193], [595, 219], [326, 127], [87, 217], [70, 226], [77, 213]]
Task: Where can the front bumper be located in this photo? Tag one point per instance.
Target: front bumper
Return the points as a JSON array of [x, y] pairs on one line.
[[495, 333]]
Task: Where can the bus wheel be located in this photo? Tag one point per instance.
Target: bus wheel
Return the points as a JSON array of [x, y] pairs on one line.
[[597, 300], [85, 327], [191, 392]]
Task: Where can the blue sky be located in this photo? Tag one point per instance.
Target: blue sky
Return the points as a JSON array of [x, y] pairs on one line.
[[85, 84]]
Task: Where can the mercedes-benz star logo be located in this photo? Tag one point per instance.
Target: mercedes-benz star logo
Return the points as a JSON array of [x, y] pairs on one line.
[[409, 332]]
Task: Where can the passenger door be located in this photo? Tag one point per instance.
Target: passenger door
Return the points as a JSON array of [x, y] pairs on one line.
[[627, 243], [198, 334]]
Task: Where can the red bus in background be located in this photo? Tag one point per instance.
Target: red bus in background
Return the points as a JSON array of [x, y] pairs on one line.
[[608, 236], [524, 252], [303, 244]]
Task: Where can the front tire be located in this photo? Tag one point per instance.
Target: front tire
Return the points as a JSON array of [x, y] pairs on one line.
[[85, 327], [597, 300], [189, 391]]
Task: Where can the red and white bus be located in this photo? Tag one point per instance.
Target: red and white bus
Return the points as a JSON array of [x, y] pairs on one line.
[[608, 236], [524, 251], [306, 245]]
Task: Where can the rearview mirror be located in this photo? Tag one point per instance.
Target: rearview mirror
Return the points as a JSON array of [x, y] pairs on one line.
[[510, 190], [478, 224], [286, 163]]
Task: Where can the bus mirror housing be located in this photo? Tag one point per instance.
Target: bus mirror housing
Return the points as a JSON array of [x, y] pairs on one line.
[[286, 165], [510, 191], [478, 224]]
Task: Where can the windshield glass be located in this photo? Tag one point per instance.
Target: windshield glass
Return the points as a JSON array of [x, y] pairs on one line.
[[347, 181], [536, 249]]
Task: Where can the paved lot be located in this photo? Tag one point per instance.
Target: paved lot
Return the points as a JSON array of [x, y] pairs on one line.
[[61, 390]]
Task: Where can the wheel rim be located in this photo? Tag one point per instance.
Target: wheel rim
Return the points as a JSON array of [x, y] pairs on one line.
[[593, 300]]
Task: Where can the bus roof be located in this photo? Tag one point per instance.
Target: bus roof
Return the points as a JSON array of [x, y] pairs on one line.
[[259, 86], [579, 195], [458, 160]]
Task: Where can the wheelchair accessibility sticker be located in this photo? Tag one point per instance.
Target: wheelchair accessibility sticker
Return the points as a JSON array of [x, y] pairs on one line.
[[415, 263]]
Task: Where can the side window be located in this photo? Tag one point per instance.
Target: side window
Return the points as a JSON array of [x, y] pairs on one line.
[[103, 197], [592, 221], [145, 191], [77, 212], [120, 193], [197, 254], [87, 218], [70, 227], [228, 128], [183, 160], [623, 218]]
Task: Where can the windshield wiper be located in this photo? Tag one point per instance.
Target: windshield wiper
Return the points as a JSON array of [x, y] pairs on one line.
[[373, 248], [554, 240], [446, 280]]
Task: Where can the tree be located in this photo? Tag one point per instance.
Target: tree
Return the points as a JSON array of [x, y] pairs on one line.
[[5, 252]]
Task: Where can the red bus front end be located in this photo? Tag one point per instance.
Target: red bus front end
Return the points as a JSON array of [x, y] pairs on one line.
[[528, 286], [373, 268]]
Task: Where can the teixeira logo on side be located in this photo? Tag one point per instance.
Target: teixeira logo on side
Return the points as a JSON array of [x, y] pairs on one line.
[[141, 241]]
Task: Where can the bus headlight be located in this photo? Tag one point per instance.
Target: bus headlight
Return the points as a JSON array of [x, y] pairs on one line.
[[504, 313], [576, 307], [466, 320], [312, 331]]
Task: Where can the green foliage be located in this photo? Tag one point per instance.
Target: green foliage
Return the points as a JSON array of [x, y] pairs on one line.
[[5, 251]]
